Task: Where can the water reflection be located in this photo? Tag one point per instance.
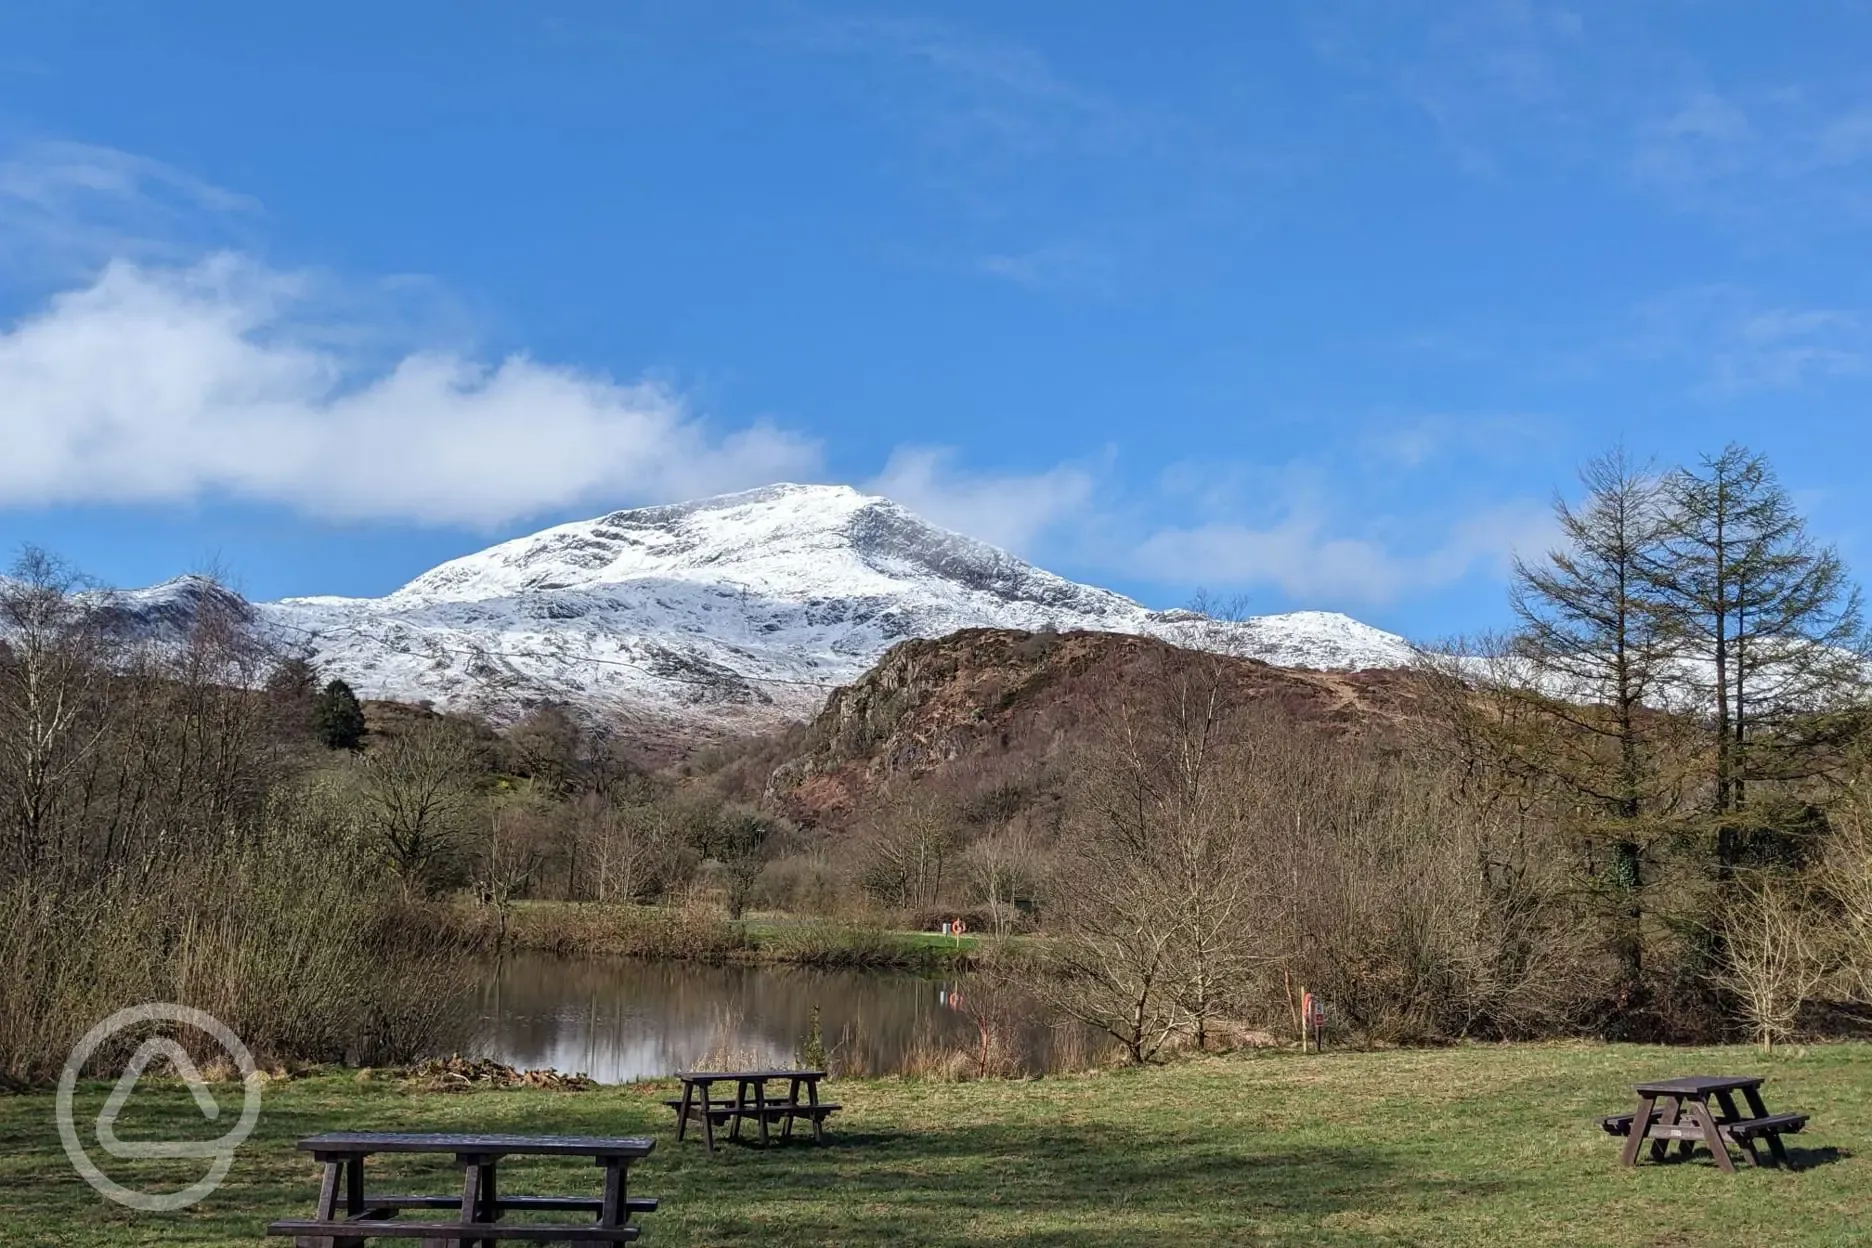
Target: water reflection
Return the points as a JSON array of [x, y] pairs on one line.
[[619, 1020]]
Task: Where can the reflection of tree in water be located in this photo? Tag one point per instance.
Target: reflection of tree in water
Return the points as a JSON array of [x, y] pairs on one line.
[[621, 1020]]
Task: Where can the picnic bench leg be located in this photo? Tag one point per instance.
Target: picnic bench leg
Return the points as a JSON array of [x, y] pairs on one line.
[[740, 1101], [490, 1200], [1699, 1112], [327, 1208], [708, 1119], [614, 1212], [818, 1119], [786, 1128], [1640, 1128], [353, 1199], [1748, 1145], [471, 1195], [1759, 1110], [328, 1190], [682, 1114], [1667, 1117], [760, 1107]]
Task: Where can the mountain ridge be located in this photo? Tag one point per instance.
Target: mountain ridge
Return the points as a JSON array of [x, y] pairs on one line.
[[724, 614]]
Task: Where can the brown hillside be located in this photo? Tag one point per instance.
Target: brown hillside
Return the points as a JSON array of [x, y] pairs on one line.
[[988, 715]]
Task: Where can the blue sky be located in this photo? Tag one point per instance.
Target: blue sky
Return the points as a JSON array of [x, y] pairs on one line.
[[1313, 303]]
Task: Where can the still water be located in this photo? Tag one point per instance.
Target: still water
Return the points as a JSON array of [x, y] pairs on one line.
[[619, 1020]]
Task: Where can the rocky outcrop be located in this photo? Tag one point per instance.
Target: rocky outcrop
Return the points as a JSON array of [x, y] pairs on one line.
[[999, 711]]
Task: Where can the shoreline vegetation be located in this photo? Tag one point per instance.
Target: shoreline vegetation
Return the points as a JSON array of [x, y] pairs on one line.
[[1483, 1144], [701, 933]]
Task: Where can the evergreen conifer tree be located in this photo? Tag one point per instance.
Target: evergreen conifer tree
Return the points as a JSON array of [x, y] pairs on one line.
[[337, 717]]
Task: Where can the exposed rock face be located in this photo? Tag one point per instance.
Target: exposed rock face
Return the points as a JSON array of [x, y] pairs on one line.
[[984, 711]]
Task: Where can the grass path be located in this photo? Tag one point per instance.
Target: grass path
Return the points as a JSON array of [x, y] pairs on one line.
[[1471, 1146]]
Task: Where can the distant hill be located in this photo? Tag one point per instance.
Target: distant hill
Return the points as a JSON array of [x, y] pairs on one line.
[[989, 717]]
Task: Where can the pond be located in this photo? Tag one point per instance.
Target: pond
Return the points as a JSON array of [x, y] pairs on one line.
[[620, 1020]]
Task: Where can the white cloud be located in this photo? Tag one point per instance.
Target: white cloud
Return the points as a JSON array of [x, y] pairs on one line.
[[1740, 342], [55, 175], [68, 208], [1410, 444], [1795, 159], [1007, 510], [157, 384], [1304, 555]]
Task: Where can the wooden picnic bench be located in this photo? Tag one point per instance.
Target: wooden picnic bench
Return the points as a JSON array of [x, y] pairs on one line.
[[479, 1208], [751, 1101], [1678, 1111]]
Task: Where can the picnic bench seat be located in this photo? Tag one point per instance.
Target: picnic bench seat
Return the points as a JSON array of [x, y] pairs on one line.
[[1620, 1124], [348, 1230], [517, 1204], [721, 1111], [1773, 1124]]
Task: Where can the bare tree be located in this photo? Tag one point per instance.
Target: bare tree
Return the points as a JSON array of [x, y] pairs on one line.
[[1774, 954], [632, 843], [1004, 873], [52, 676], [1846, 876], [908, 846], [519, 831], [1161, 906], [418, 798]]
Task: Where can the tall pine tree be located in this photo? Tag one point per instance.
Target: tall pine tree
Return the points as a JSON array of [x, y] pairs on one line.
[[1767, 626], [1592, 655]]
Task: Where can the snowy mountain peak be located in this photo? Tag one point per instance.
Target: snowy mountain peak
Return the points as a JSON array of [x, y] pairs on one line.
[[789, 542], [730, 612]]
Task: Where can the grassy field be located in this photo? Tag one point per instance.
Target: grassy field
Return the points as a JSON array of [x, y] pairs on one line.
[[1471, 1146]]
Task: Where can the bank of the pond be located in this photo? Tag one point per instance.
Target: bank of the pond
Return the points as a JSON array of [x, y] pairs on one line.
[[1473, 1145], [578, 929]]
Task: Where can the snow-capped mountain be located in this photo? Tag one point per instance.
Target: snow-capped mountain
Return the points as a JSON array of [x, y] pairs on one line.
[[736, 611]]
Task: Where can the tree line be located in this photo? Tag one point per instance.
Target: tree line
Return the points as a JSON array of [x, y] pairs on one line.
[[1640, 813]]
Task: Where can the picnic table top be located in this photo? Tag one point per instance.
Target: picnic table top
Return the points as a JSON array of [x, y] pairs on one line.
[[711, 1076], [1699, 1085], [361, 1143]]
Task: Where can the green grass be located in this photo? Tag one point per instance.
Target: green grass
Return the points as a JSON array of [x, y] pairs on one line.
[[1469, 1146], [828, 942], [587, 930]]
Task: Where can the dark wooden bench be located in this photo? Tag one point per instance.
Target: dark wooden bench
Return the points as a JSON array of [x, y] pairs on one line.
[[773, 1111], [513, 1204], [751, 1102], [318, 1233], [1755, 1128], [480, 1207], [1679, 1111]]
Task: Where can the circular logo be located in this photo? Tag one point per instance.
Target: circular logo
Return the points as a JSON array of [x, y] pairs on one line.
[[221, 1151]]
